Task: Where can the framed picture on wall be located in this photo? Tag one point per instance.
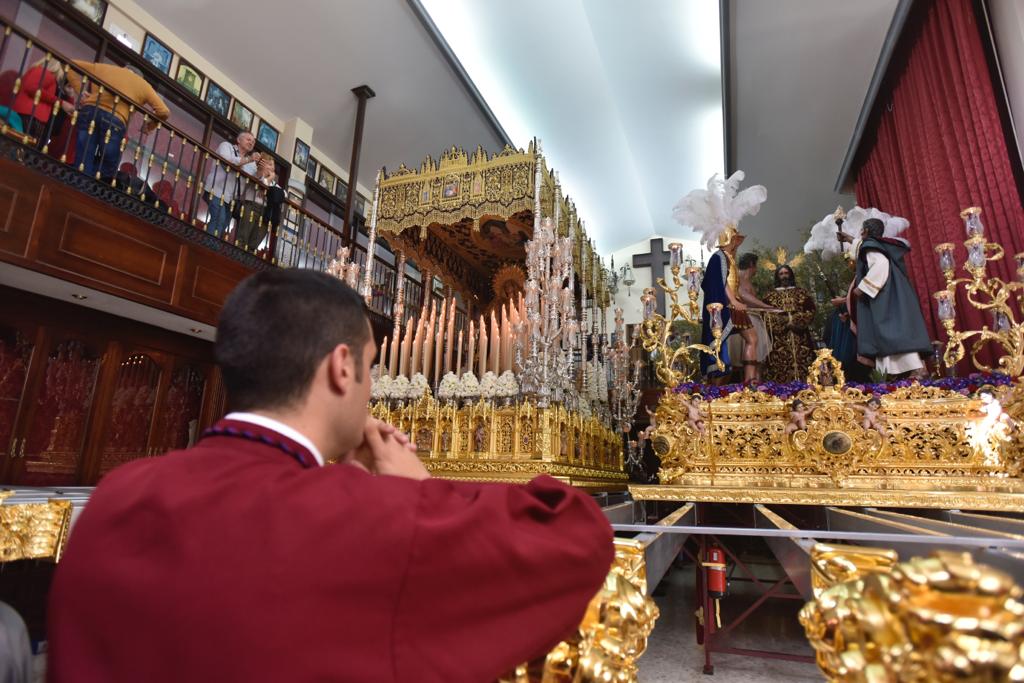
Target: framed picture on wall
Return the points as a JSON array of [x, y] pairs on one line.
[[157, 54], [300, 157], [267, 136], [218, 99], [311, 168], [341, 190], [189, 78], [327, 179], [241, 116], [95, 10]]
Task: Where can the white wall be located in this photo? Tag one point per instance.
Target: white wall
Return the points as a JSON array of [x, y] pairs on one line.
[[629, 299], [1007, 17]]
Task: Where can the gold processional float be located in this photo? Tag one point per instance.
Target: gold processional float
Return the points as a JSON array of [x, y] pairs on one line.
[[873, 619], [513, 394]]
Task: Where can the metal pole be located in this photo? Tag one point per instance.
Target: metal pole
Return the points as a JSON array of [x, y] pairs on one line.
[[363, 93]]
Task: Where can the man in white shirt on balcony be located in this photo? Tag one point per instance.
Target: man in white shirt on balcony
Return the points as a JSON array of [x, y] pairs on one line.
[[221, 183]]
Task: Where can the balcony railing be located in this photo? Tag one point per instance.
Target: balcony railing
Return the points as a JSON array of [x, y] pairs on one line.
[[157, 165]]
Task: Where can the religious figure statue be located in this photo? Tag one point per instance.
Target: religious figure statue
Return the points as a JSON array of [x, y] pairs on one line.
[[694, 415], [798, 414], [891, 333], [508, 284], [479, 437], [872, 415], [715, 212], [792, 346]]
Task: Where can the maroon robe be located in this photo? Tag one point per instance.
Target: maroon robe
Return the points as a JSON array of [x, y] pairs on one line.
[[230, 561]]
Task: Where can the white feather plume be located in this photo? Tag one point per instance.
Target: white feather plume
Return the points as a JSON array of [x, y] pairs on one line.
[[894, 225], [709, 211], [823, 234], [823, 237]]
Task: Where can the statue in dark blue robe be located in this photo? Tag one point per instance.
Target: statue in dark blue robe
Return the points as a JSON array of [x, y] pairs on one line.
[[713, 285]]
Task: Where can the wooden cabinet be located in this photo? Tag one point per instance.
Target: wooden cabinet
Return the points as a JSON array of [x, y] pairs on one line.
[[82, 392]]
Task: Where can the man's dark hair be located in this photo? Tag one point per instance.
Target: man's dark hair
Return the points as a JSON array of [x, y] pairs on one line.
[[748, 260], [275, 329], [874, 227], [778, 274]]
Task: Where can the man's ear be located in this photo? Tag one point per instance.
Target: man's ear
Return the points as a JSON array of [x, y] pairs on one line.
[[341, 368]]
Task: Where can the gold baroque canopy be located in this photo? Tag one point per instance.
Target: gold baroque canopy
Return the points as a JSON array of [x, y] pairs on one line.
[[464, 215]]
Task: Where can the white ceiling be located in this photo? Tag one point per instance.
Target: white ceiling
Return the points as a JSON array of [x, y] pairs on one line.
[[626, 98], [301, 58], [800, 71]]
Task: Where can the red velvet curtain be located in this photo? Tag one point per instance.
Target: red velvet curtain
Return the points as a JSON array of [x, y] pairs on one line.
[[938, 148]]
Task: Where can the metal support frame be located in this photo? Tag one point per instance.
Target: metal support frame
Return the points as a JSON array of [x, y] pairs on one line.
[[708, 634]]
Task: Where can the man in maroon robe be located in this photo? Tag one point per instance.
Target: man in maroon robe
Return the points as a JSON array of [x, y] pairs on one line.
[[245, 559]]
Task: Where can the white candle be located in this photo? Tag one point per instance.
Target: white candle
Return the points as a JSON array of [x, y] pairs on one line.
[[458, 355], [393, 361], [472, 345]]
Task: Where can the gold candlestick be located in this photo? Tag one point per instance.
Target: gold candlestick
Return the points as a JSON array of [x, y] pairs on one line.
[[990, 294], [675, 366]]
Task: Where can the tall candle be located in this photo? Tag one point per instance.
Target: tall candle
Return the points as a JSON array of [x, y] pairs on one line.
[[458, 354], [382, 361], [450, 339], [403, 365], [472, 345], [483, 348], [428, 341], [493, 340], [393, 361], [503, 327], [415, 343], [438, 342]]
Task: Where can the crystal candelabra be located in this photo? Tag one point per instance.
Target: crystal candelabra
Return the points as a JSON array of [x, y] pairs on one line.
[[625, 382], [674, 366], [343, 269], [984, 293], [549, 332]]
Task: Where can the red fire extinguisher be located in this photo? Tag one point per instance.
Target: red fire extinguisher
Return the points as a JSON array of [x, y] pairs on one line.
[[715, 577], [714, 564]]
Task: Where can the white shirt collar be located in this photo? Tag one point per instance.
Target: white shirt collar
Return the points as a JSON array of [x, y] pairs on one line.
[[281, 428]]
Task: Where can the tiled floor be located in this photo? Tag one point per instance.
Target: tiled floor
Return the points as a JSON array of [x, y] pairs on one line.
[[673, 654]]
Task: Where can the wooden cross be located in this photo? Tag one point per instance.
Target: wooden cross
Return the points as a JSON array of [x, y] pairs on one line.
[[656, 260]]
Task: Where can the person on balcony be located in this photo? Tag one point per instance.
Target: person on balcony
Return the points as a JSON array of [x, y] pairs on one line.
[[254, 221], [223, 184], [244, 558], [45, 78], [97, 154]]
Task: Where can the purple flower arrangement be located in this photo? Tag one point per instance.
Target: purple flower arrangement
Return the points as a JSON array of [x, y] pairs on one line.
[[785, 390]]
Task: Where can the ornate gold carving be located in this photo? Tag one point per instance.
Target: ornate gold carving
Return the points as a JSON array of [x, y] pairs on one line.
[[942, 618], [825, 363], [34, 531], [614, 631], [485, 442], [909, 492], [833, 563], [918, 439], [675, 365]]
